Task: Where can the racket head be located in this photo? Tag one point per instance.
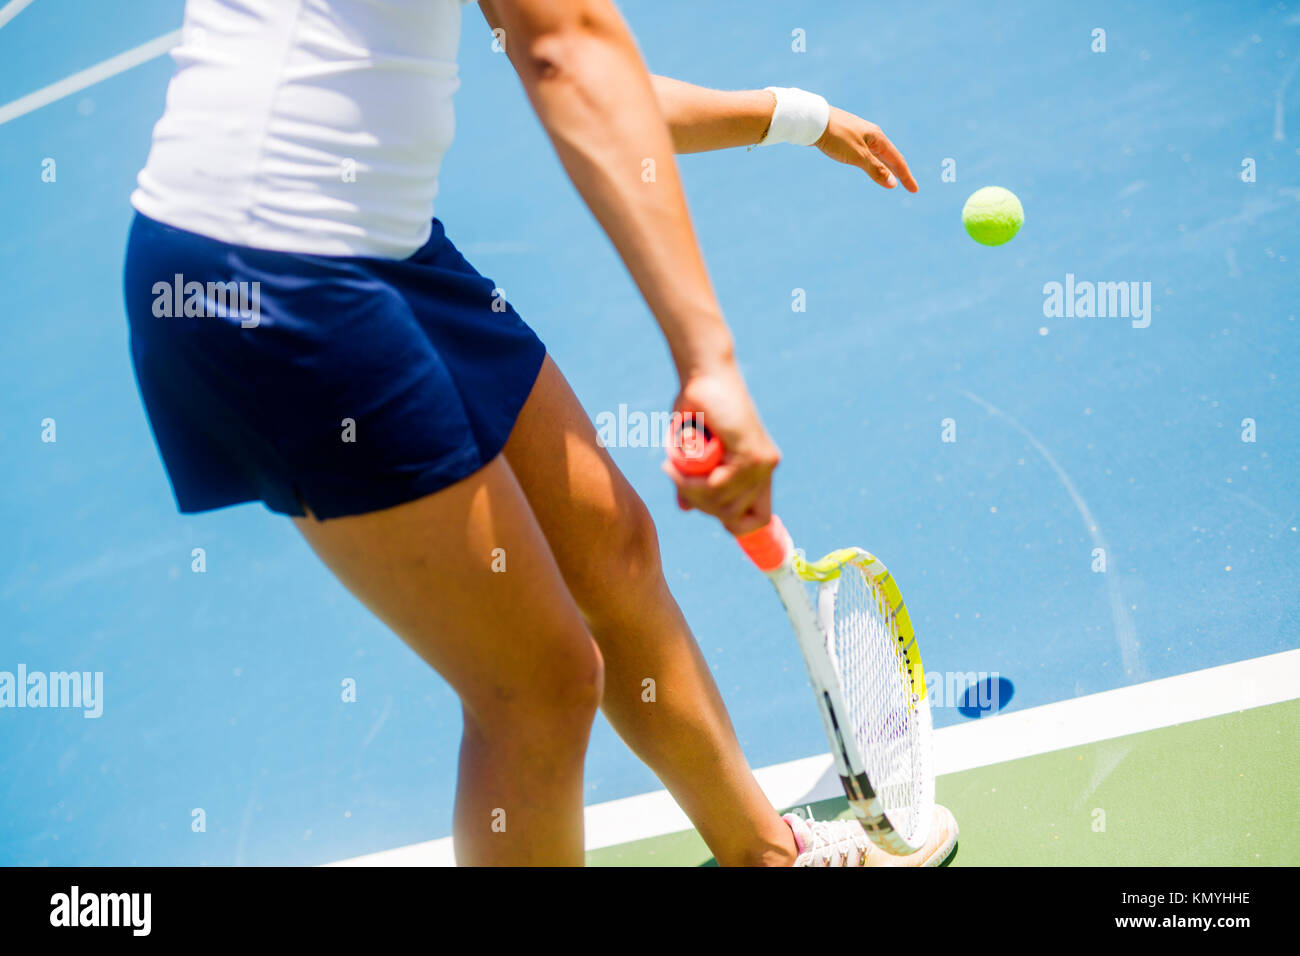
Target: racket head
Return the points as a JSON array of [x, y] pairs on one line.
[[885, 708]]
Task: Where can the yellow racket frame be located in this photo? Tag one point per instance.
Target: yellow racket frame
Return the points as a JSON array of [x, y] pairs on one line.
[[829, 566]]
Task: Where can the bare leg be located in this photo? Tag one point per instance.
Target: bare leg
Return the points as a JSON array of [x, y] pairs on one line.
[[607, 549], [513, 645]]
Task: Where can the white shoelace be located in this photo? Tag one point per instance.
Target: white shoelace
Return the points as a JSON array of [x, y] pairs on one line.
[[836, 843]]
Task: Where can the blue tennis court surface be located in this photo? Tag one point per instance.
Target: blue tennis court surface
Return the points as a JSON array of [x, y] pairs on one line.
[[1162, 438]]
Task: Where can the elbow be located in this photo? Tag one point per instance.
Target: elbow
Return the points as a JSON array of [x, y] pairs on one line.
[[570, 52], [555, 55]]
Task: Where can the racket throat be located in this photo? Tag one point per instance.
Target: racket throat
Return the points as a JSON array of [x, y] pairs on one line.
[[856, 786], [862, 798]]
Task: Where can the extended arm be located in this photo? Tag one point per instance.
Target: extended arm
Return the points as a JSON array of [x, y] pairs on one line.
[[584, 76], [701, 119]]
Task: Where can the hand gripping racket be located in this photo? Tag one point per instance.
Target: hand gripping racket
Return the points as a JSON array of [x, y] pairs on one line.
[[862, 659]]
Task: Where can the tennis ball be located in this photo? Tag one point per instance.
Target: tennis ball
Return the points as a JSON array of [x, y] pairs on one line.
[[992, 215]]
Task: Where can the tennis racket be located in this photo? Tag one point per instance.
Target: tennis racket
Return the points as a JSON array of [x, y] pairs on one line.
[[863, 661]]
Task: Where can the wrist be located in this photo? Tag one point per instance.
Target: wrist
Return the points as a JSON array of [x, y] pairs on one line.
[[826, 133], [710, 356], [799, 117]]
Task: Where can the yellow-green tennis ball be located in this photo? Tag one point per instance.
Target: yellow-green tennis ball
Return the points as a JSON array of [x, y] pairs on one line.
[[992, 215]]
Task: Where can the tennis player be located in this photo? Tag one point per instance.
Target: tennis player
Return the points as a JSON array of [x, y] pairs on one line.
[[368, 383]]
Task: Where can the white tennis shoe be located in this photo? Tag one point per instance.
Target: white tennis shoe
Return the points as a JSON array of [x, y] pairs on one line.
[[845, 843]]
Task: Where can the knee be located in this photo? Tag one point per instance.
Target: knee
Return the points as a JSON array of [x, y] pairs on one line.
[[623, 568], [636, 549], [556, 700], [574, 690], [566, 692]]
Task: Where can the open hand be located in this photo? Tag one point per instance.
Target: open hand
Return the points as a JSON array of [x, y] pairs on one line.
[[854, 141]]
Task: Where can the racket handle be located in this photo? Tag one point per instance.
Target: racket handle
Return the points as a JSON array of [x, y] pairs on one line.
[[768, 547], [694, 451], [692, 448]]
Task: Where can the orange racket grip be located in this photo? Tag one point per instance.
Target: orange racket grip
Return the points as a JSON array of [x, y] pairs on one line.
[[692, 448], [694, 451], [768, 547]]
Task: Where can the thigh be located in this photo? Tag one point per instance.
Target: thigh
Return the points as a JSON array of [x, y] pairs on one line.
[[599, 529], [466, 578]]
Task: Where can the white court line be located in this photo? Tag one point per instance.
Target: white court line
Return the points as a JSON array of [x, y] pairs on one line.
[[979, 743], [88, 77], [12, 9]]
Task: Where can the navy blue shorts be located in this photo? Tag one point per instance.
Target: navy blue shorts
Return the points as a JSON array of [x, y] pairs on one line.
[[345, 384]]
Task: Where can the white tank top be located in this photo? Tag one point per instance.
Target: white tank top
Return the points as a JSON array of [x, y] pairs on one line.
[[312, 126]]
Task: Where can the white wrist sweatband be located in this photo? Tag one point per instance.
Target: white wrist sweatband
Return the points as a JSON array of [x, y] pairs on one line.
[[800, 117]]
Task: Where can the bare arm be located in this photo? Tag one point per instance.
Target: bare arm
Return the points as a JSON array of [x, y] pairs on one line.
[[703, 119], [584, 76], [581, 69]]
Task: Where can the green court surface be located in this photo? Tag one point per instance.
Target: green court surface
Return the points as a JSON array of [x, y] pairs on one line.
[[1215, 792]]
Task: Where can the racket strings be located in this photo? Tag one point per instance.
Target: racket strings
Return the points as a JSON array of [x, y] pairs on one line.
[[888, 721]]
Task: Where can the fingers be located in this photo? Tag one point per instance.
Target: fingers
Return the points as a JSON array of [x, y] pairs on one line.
[[740, 498], [878, 171], [723, 491], [857, 142], [885, 156], [738, 489], [755, 516]]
